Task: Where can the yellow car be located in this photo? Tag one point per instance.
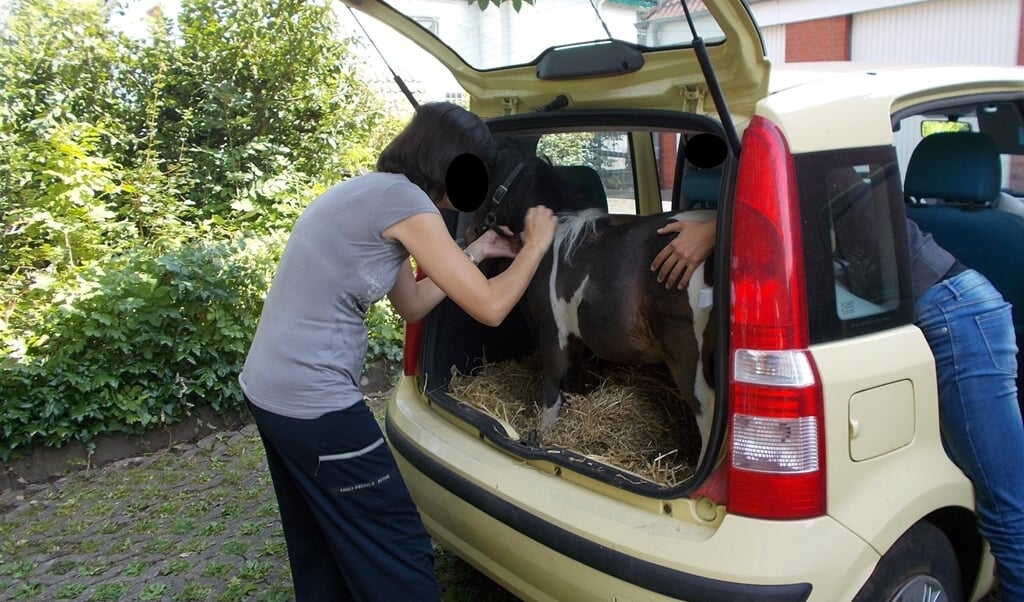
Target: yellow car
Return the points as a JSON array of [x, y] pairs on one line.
[[825, 478]]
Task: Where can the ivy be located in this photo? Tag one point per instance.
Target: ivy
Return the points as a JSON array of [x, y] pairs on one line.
[[386, 333]]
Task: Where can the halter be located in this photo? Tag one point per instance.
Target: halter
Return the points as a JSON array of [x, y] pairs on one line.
[[491, 221]]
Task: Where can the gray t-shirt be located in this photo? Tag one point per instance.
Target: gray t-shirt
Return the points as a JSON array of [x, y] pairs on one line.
[[929, 262], [307, 355]]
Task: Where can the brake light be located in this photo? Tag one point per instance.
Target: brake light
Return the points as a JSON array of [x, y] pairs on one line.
[[411, 347], [411, 340], [776, 453]]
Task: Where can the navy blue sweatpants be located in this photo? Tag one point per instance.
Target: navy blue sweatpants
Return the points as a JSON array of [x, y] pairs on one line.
[[352, 530]]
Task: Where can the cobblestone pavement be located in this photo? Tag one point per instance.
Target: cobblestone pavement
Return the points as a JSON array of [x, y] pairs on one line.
[[192, 522]]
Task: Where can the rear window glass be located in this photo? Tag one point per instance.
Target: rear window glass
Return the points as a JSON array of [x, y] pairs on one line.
[[855, 242], [607, 153], [501, 36]]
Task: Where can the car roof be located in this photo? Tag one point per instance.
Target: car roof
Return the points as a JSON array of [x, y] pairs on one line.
[[846, 105], [609, 54]]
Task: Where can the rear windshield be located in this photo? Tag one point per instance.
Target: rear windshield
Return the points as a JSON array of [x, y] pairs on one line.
[[501, 36]]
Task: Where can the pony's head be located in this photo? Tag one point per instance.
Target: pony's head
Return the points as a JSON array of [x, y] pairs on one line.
[[513, 189], [520, 180]]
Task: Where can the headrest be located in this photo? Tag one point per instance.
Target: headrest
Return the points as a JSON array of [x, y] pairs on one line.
[[955, 166], [702, 187], [588, 181]]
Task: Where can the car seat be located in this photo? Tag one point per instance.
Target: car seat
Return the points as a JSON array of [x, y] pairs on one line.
[[959, 174], [702, 187], [586, 179]]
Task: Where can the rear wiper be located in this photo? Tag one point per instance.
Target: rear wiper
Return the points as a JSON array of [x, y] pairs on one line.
[[713, 86]]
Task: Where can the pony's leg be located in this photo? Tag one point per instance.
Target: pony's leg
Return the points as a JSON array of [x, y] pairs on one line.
[[685, 355], [556, 365], [686, 376], [576, 379]]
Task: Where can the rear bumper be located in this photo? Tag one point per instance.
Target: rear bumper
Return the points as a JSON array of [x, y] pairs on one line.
[[544, 537]]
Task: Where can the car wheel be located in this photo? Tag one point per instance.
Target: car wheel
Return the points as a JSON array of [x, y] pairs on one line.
[[921, 565]]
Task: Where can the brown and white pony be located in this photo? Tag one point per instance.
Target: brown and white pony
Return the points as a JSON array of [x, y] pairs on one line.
[[594, 289]]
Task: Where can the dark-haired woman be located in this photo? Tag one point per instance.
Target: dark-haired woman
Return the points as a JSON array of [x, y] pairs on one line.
[[350, 526]]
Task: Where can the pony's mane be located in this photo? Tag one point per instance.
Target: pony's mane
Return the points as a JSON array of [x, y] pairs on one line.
[[573, 228]]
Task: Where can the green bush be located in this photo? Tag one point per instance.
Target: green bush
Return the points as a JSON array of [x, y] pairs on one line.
[[136, 342], [133, 343], [385, 333], [118, 153]]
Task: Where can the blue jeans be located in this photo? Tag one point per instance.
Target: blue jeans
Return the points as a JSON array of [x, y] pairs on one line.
[[969, 328]]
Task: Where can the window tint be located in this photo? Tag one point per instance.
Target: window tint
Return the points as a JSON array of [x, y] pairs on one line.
[[855, 242]]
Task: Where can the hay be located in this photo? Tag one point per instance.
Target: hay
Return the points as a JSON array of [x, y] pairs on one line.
[[634, 419]]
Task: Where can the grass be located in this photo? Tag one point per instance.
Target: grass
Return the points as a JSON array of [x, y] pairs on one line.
[[192, 522]]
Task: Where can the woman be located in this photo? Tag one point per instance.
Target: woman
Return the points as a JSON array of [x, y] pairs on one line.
[[969, 328], [351, 528]]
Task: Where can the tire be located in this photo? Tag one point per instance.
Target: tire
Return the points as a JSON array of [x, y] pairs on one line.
[[921, 565]]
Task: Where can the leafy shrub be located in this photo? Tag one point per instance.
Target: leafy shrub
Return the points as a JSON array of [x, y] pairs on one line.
[[136, 342], [133, 343], [118, 153], [385, 333]]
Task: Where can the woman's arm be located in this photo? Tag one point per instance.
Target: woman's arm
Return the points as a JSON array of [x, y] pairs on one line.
[[451, 273], [413, 299]]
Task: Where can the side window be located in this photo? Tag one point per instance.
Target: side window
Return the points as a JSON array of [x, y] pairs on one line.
[[606, 152], [863, 257], [855, 242]]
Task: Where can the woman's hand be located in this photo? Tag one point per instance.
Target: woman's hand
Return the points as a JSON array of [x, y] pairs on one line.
[[493, 244], [676, 262], [539, 228]]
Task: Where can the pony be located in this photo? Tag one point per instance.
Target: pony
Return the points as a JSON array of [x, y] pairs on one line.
[[594, 289]]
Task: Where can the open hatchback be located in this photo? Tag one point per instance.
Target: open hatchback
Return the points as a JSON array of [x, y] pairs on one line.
[[824, 476]]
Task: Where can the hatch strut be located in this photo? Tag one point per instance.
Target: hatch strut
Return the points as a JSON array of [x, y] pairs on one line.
[[398, 80], [712, 80]]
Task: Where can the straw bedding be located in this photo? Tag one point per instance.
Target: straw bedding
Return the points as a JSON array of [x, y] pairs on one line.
[[633, 419]]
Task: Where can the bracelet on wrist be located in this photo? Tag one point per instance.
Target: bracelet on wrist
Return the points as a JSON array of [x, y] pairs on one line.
[[471, 257]]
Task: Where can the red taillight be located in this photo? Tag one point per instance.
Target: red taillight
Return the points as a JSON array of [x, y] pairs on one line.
[[411, 348], [776, 452], [411, 343]]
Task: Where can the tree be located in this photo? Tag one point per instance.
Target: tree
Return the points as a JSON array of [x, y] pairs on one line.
[[258, 92], [60, 117], [145, 191]]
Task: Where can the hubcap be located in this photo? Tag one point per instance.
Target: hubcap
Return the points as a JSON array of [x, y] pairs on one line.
[[923, 588]]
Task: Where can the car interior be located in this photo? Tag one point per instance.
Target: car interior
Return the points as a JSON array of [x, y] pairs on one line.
[[461, 345], [955, 190]]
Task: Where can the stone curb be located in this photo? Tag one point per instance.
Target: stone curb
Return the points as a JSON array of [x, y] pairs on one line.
[[45, 464]]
